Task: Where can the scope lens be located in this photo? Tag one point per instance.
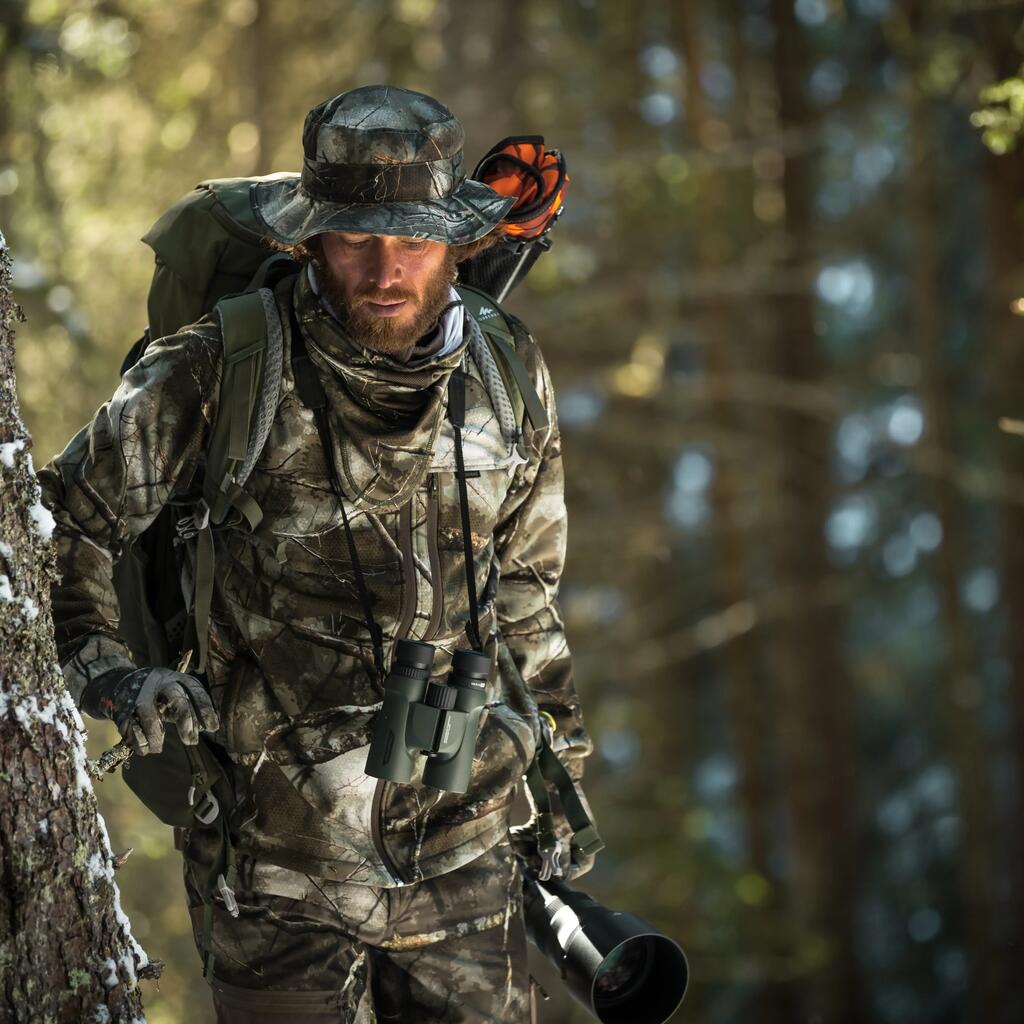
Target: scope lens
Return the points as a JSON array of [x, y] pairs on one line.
[[624, 972]]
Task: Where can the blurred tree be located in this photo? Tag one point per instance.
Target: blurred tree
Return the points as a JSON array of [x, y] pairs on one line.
[[814, 696], [1003, 169], [963, 735], [720, 223]]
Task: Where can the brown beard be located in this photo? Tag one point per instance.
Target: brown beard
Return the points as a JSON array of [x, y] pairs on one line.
[[380, 333]]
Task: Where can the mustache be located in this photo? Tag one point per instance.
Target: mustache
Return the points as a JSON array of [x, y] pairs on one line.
[[382, 295]]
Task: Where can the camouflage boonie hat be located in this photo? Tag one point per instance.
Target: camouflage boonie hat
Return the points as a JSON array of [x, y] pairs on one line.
[[385, 161]]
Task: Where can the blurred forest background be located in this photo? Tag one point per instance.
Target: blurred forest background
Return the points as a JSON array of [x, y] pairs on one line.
[[783, 314]]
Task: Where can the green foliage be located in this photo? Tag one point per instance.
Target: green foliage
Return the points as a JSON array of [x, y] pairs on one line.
[[1001, 120]]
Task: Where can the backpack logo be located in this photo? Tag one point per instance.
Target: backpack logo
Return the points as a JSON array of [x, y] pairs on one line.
[[485, 312]]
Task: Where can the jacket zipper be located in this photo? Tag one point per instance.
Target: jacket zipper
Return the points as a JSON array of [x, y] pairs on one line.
[[377, 829], [404, 625], [408, 571]]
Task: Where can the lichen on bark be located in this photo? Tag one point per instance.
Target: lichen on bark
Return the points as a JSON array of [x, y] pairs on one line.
[[66, 949]]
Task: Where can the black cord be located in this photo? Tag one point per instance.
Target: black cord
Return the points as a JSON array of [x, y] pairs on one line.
[[457, 414]]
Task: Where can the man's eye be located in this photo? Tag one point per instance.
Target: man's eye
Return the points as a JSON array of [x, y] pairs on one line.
[[357, 245], [415, 245]]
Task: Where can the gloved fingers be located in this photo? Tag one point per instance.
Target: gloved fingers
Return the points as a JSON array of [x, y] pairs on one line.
[[177, 708], [207, 713], [152, 727], [147, 721], [136, 739]]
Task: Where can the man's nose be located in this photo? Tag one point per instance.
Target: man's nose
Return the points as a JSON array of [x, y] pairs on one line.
[[385, 270]]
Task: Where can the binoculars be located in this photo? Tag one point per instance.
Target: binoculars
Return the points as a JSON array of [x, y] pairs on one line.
[[438, 719]]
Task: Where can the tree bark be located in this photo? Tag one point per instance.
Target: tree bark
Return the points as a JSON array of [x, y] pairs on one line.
[[66, 951]]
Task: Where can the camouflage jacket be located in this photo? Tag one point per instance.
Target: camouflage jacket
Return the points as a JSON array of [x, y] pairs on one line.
[[290, 665]]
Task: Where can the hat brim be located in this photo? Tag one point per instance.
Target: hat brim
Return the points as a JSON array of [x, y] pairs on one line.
[[290, 216]]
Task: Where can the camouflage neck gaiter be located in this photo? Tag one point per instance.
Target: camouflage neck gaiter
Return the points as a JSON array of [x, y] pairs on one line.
[[385, 415]]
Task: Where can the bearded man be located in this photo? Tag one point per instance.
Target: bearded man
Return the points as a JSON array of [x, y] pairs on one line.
[[353, 898]]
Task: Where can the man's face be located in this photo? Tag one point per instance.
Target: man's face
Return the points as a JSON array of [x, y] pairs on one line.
[[388, 290]]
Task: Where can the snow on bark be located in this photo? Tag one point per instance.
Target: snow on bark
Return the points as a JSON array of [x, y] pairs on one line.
[[66, 948]]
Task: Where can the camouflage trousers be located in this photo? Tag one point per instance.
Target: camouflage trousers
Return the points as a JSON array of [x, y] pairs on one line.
[[306, 949]]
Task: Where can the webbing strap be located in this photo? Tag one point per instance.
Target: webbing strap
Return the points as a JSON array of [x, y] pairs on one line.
[[585, 834], [531, 400], [222, 876], [493, 323], [246, 504], [313, 397], [547, 839], [457, 415], [203, 591], [244, 329]]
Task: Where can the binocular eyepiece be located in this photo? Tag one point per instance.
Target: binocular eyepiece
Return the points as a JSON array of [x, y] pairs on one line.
[[438, 719]]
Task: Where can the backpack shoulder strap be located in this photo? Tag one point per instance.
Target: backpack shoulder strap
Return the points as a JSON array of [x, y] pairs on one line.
[[249, 390], [500, 335]]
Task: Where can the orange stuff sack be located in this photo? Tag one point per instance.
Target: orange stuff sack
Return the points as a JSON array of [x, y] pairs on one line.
[[521, 166]]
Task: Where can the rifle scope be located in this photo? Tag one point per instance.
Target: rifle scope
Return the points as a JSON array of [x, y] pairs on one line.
[[622, 969]]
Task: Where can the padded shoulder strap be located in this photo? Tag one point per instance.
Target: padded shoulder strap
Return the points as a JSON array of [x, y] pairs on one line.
[[244, 331], [249, 389], [500, 337]]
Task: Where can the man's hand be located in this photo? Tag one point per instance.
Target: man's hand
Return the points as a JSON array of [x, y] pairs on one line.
[[140, 702]]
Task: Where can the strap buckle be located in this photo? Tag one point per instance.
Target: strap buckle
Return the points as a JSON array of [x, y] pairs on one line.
[[547, 727], [191, 525], [206, 811], [550, 861], [549, 847], [228, 895]]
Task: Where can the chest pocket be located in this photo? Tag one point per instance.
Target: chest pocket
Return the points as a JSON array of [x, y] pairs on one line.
[[484, 446]]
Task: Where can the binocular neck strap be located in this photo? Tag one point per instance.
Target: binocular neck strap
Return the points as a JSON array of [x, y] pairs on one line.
[[311, 392], [457, 414]]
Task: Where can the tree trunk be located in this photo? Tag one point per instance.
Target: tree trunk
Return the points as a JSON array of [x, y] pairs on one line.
[[1004, 342], [814, 693], [66, 952], [962, 711], [738, 666]]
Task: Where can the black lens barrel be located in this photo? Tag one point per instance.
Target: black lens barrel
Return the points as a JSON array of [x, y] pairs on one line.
[[622, 969], [470, 668]]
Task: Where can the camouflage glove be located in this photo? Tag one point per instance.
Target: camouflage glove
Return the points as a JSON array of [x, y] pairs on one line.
[[139, 701], [571, 861]]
